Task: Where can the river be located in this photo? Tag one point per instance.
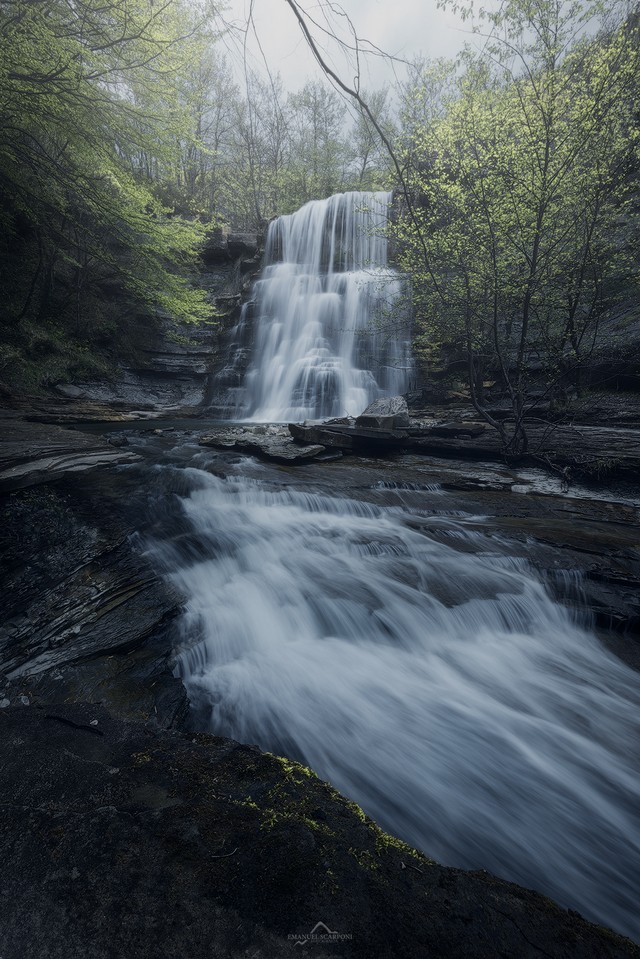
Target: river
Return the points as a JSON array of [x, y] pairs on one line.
[[359, 618]]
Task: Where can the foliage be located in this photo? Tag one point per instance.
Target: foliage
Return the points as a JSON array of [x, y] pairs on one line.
[[521, 184], [77, 212]]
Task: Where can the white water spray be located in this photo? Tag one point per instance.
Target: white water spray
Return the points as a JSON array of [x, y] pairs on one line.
[[330, 315], [443, 691]]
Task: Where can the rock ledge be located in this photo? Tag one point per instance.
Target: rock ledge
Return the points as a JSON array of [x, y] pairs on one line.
[[121, 839]]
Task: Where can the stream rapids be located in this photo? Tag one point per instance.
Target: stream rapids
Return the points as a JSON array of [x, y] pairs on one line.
[[411, 661]]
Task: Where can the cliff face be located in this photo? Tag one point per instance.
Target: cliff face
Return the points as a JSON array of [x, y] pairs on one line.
[[120, 356], [119, 839], [167, 366]]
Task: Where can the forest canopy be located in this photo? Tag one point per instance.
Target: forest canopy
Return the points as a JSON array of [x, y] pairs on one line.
[[127, 132]]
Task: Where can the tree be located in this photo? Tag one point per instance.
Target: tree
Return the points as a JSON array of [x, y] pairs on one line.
[[369, 162], [73, 134], [261, 151], [318, 142], [519, 181]]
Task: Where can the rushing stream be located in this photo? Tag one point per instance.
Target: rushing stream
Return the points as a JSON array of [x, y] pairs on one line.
[[418, 667]]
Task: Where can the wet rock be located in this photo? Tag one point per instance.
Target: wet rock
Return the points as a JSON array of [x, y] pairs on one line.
[[386, 413], [72, 392], [81, 614], [31, 454], [274, 445], [324, 435], [199, 846]]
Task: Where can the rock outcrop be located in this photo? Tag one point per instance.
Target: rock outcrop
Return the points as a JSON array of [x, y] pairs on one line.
[[119, 839], [585, 450], [269, 443], [31, 454], [81, 613], [387, 413]]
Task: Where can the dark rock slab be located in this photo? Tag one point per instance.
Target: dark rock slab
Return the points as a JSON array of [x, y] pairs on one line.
[[81, 614], [108, 605], [119, 839], [376, 422], [281, 451], [324, 434], [597, 451], [360, 439], [277, 447], [31, 454]]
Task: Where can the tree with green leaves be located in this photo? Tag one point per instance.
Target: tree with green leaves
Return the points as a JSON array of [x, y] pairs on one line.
[[518, 182], [87, 107]]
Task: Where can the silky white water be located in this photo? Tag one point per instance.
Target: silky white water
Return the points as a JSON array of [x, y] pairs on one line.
[[439, 687], [329, 314]]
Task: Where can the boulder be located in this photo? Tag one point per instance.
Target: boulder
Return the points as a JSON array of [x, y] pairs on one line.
[[387, 413]]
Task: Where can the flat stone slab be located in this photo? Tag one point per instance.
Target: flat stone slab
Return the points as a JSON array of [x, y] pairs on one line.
[[389, 412], [34, 453], [591, 450], [121, 839], [274, 446], [352, 438]]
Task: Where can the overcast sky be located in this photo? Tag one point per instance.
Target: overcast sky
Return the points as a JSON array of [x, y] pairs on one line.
[[403, 28]]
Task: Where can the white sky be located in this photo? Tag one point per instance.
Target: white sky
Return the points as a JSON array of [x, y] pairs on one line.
[[403, 28]]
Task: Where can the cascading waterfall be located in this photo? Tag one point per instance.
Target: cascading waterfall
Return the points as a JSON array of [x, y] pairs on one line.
[[420, 669], [330, 317]]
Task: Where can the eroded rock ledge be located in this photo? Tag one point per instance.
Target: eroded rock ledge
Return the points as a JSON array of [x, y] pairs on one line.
[[120, 839]]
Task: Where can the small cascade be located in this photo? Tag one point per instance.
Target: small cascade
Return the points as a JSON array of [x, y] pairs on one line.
[[414, 663], [330, 319]]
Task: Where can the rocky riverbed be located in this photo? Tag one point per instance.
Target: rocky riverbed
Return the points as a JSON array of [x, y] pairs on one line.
[[85, 618]]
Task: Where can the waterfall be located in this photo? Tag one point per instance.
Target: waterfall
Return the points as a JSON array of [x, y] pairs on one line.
[[330, 318]]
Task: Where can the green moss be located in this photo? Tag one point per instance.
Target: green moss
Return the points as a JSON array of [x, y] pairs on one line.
[[283, 805], [287, 803], [293, 769], [357, 811], [384, 843], [286, 809], [365, 859]]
